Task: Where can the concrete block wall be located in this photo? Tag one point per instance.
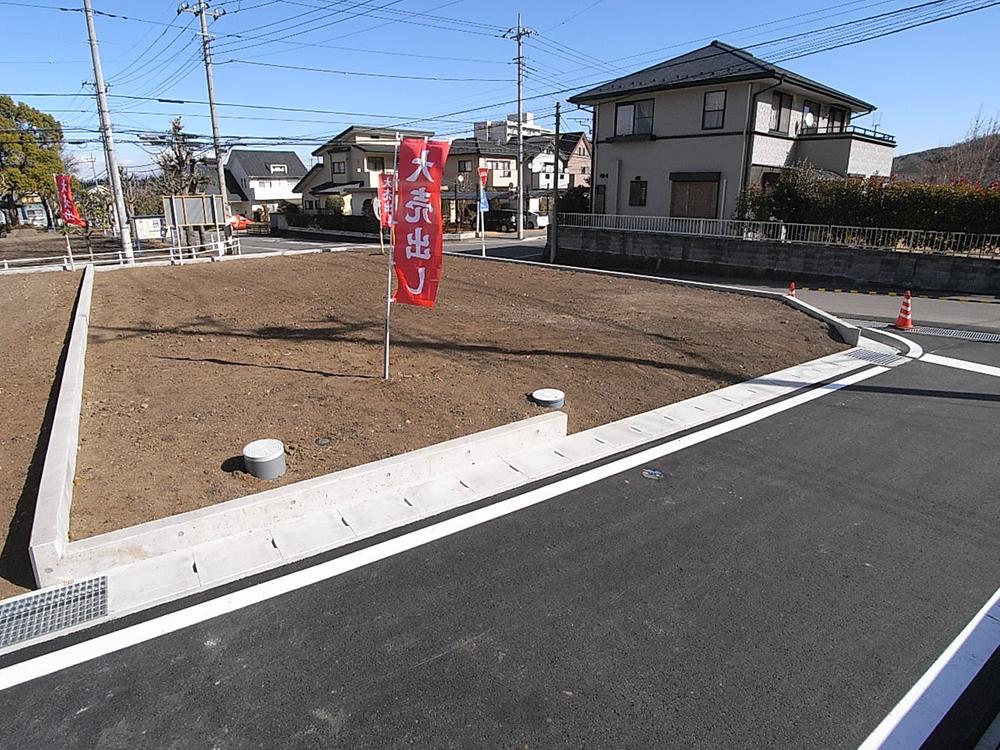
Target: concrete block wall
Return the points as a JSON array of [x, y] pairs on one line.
[[831, 265]]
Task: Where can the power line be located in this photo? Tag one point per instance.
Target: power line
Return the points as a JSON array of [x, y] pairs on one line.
[[363, 74]]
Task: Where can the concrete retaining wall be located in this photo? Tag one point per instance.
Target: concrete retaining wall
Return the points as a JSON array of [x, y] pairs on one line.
[[50, 528], [831, 265]]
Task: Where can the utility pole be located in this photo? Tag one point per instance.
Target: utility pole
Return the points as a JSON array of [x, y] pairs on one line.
[[518, 34], [554, 222], [124, 233], [201, 10]]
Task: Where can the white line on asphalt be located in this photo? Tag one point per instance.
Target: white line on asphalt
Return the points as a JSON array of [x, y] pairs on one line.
[[108, 643], [961, 364], [913, 719]]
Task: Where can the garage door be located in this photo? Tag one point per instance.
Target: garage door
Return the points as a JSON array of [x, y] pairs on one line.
[[696, 198]]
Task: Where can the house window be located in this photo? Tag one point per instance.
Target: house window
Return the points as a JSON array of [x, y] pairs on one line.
[[279, 169], [637, 193], [264, 184], [838, 119], [340, 167], [810, 117], [465, 165], [781, 112], [694, 194], [713, 113], [634, 118], [375, 163]]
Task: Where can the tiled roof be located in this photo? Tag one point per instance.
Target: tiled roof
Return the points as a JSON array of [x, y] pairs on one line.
[[258, 163], [715, 63]]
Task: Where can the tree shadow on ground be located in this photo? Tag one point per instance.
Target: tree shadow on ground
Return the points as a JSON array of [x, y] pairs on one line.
[[236, 363], [341, 333]]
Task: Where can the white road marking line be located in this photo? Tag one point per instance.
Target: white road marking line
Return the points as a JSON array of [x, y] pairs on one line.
[[913, 719], [109, 643], [961, 364]]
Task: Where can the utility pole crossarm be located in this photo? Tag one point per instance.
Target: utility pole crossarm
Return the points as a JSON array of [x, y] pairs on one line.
[[518, 35], [201, 9], [114, 179]]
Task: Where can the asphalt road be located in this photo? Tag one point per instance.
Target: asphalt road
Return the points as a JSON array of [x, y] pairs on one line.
[[782, 586], [498, 247]]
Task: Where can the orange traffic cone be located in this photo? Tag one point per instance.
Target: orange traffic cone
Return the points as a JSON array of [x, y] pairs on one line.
[[904, 321], [791, 289]]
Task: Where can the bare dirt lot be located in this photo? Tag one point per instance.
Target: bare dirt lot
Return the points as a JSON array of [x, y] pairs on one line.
[[186, 365], [35, 312]]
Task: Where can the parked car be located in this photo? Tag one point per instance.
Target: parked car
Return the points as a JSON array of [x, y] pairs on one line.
[[505, 220], [240, 222]]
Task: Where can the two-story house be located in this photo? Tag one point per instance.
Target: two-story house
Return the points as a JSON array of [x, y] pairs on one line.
[[262, 180], [576, 151], [686, 136], [467, 155], [350, 165]]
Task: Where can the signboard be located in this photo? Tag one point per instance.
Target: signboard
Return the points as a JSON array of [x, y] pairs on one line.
[[193, 211], [418, 241], [67, 206], [484, 202], [484, 175]]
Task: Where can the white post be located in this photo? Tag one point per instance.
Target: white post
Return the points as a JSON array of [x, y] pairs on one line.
[[69, 252], [392, 244]]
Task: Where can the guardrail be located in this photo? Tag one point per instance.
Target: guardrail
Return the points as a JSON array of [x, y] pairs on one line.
[[174, 255], [866, 238]]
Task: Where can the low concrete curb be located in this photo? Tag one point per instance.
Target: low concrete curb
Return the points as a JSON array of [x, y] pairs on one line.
[[50, 529], [338, 493]]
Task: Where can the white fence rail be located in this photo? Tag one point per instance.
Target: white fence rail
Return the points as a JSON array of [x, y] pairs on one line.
[[167, 255], [869, 238]]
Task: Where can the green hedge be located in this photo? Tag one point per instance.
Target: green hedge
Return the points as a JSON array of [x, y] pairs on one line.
[[799, 196], [340, 222]]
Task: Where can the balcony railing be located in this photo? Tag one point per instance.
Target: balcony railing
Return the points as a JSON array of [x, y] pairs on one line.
[[867, 238], [848, 130]]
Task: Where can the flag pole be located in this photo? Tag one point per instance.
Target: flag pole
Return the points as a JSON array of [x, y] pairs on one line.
[[392, 245], [69, 249]]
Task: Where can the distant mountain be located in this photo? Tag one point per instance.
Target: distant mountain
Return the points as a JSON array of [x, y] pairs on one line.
[[976, 160]]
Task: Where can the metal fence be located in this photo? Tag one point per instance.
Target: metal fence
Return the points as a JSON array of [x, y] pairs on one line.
[[868, 238], [175, 255]]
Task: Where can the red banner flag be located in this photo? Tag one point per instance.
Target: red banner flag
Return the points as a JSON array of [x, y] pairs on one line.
[[484, 175], [386, 197], [418, 242], [67, 206]]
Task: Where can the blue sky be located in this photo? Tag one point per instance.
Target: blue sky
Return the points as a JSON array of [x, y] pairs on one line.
[[928, 82]]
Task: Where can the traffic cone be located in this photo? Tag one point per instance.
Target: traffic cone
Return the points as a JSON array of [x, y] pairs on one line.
[[791, 290], [904, 321]]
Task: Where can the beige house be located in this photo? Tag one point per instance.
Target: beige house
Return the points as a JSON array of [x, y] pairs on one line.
[[684, 137], [576, 151], [351, 164], [467, 155]]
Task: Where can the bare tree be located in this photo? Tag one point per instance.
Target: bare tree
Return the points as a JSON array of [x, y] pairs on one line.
[[180, 161]]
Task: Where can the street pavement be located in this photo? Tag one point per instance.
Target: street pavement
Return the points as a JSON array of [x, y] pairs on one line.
[[502, 246], [782, 585]]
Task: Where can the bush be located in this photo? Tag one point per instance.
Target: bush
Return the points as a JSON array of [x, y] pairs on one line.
[[800, 196]]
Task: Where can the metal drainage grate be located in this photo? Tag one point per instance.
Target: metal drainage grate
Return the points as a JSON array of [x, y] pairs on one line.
[[951, 333], [39, 614], [879, 358]]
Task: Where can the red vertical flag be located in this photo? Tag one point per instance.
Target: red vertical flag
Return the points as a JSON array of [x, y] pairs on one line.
[[386, 198], [67, 206], [418, 242]]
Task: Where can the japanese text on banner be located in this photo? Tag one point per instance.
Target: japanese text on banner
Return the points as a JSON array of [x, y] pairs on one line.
[[67, 206], [418, 241], [386, 196]]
